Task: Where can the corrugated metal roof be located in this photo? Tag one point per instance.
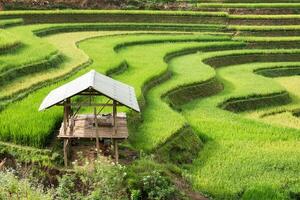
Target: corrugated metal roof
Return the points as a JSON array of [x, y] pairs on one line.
[[105, 85]]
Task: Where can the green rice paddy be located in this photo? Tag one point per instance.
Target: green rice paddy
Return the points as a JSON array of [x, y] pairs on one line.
[[236, 89]]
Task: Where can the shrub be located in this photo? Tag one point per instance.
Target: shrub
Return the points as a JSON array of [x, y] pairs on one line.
[[157, 187], [107, 181], [148, 180], [104, 181], [66, 188], [41, 157], [135, 195]]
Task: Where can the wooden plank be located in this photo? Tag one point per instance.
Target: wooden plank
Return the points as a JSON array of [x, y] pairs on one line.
[[91, 135], [84, 128], [89, 104]]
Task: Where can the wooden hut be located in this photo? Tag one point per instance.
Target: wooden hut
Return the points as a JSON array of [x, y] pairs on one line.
[[95, 125]]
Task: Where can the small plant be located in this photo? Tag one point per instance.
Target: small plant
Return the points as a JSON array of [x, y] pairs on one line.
[[157, 187], [108, 180], [66, 188], [135, 195], [104, 181], [147, 180]]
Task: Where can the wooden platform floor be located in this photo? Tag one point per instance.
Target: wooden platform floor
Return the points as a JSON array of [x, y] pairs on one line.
[[84, 127]]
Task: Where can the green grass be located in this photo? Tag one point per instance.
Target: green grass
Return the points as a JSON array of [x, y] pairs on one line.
[[43, 157], [244, 156], [7, 41], [156, 129], [74, 59], [35, 129], [235, 74], [214, 172], [258, 17], [267, 39], [256, 144], [42, 30], [264, 28], [34, 50], [244, 82], [119, 12], [137, 76], [67, 47], [161, 120], [10, 22], [248, 5], [146, 16], [281, 115]]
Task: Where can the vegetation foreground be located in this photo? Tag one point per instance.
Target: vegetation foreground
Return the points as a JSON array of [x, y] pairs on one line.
[[218, 92]]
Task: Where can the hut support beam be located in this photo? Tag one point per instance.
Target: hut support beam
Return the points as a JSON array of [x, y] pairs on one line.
[[96, 129], [65, 119], [115, 141], [66, 143], [115, 116], [67, 110]]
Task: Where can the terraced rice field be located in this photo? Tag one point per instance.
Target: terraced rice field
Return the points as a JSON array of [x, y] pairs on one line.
[[228, 74]]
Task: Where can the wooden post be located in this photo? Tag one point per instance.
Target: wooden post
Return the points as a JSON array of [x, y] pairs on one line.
[[115, 116], [66, 124], [65, 119], [115, 142], [116, 150], [70, 112], [66, 141], [96, 129], [69, 123]]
